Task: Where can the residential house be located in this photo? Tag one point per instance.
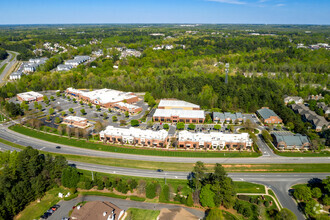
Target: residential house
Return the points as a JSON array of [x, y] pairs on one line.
[[293, 99], [15, 75]]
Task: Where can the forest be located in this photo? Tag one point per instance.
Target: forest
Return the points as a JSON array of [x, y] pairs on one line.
[[27, 173]]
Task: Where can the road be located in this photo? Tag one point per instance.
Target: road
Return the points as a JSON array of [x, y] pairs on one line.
[[9, 65], [12, 136], [280, 183]]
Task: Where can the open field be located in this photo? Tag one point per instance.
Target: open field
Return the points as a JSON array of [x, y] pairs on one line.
[[142, 214], [125, 149]]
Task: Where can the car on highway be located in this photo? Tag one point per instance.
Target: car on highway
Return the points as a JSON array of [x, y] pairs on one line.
[[58, 147], [160, 170]]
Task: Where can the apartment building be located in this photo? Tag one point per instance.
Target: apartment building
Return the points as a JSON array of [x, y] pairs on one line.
[[134, 136], [228, 117], [30, 96], [214, 140], [295, 99], [75, 121], [318, 122], [178, 111], [106, 98], [269, 116]]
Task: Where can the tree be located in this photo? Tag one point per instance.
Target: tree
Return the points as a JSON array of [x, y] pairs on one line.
[[302, 193], [40, 107], [105, 115], [126, 114], [114, 118], [46, 100], [285, 214], [74, 100], [290, 126], [151, 191], [48, 117], [51, 111], [83, 112], [99, 126], [207, 97], [217, 127], [57, 120], [122, 122], [149, 124], [326, 184], [316, 193], [191, 127], [98, 107], [206, 196], [58, 94], [190, 201], [166, 126], [165, 194], [198, 174], [90, 105], [311, 207], [71, 110], [266, 135], [151, 101], [63, 113], [81, 102], [134, 123], [70, 177], [52, 98], [180, 126], [248, 125], [214, 214]]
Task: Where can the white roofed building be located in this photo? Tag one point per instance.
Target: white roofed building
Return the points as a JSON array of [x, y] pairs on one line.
[[15, 75], [125, 107], [103, 97], [75, 121], [30, 96], [214, 140], [172, 110], [134, 136]]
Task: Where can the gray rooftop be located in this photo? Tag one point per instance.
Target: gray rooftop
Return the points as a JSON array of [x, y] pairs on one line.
[[292, 140], [266, 113]]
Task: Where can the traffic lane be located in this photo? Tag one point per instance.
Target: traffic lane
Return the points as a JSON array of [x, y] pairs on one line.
[[12, 136]]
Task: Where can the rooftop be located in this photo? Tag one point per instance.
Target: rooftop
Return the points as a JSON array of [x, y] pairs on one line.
[[180, 113], [266, 113], [30, 95], [75, 118], [213, 137], [134, 132], [291, 140], [176, 103]]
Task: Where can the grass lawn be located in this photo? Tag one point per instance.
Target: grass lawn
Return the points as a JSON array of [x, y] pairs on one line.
[[34, 210], [142, 214], [124, 149], [3, 67], [273, 194], [241, 187], [305, 154], [2, 118]]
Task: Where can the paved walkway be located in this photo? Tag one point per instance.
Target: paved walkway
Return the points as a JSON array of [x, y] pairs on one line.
[[66, 206]]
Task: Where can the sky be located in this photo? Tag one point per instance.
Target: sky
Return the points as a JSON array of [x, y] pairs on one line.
[[165, 11]]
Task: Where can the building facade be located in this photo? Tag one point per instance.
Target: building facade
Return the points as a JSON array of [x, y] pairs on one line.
[[214, 140], [291, 141], [135, 136], [125, 107], [170, 110], [75, 121], [228, 117]]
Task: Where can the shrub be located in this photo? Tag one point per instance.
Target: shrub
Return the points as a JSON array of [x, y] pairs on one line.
[[151, 191], [266, 203], [165, 194], [136, 198], [190, 201]]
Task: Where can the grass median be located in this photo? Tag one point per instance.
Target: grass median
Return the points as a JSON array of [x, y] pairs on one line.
[[125, 149], [170, 166]]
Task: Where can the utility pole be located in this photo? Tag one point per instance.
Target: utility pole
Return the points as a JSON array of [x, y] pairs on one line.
[[92, 176], [227, 71]]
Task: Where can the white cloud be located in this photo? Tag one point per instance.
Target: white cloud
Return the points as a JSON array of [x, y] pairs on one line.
[[280, 5], [235, 2]]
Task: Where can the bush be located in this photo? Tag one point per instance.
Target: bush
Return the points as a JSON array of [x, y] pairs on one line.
[[151, 191], [316, 193], [266, 203], [214, 214], [244, 197], [165, 194], [190, 201]]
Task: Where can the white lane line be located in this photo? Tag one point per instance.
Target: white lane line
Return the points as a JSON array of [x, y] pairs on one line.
[[42, 148]]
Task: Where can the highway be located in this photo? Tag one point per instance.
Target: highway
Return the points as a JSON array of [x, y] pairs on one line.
[[9, 65], [280, 183], [269, 158]]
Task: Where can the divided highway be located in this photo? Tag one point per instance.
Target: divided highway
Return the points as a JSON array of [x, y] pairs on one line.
[[15, 137], [9, 65]]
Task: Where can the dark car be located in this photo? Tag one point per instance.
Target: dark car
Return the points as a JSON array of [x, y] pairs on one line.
[[46, 215], [58, 147], [160, 170]]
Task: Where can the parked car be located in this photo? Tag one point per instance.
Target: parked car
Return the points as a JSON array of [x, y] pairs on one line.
[[58, 147], [160, 170]]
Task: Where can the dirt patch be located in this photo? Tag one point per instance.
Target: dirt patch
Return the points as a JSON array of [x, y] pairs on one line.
[[265, 170]]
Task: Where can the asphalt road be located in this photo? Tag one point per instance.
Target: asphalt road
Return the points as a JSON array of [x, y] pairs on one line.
[[66, 206], [9, 65], [12, 136]]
